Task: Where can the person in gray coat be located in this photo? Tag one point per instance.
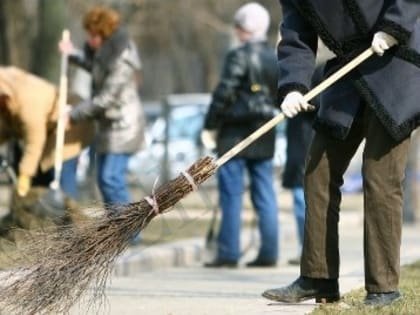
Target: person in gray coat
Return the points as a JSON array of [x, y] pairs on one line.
[[112, 58], [378, 103]]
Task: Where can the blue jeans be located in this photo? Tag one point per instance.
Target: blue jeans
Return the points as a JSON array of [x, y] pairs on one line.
[[299, 211], [231, 189], [112, 169], [68, 178]]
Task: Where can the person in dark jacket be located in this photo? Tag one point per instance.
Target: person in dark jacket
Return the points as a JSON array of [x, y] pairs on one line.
[[248, 69], [377, 103], [298, 136]]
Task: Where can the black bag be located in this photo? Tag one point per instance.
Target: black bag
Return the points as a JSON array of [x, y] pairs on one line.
[[254, 103]]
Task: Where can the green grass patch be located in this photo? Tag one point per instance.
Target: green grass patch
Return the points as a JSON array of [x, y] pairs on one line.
[[352, 303]]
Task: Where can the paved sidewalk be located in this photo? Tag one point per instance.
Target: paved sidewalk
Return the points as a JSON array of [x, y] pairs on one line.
[[147, 283]]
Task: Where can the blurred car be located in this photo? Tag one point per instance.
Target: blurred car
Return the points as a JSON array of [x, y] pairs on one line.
[[172, 147]]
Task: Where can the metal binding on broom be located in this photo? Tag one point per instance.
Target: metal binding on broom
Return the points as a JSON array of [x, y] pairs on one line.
[[55, 268]]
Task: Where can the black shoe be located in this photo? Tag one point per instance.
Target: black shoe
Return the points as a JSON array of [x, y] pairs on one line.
[[381, 299], [303, 288], [220, 263], [262, 263]]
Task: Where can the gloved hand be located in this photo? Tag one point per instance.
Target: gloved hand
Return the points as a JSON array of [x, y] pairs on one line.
[[208, 138], [294, 103], [23, 185], [381, 42]]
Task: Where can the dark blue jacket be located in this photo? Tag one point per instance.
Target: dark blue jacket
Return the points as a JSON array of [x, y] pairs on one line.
[[389, 84], [256, 59]]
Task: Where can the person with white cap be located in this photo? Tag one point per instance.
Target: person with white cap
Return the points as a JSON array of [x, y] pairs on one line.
[[254, 19], [243, 101]]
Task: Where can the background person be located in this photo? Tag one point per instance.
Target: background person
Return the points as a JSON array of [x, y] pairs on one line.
[[28, 116], [250, 66], [299, 135], [112, 58]]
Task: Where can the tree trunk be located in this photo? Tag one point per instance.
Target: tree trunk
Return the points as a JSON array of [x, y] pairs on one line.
[[15, 35], [51, 19]]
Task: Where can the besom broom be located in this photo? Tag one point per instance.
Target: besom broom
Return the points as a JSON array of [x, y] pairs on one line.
[[56, 267]]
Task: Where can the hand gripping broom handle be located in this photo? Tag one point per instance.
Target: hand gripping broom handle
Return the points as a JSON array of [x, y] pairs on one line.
[[62, 100], [307, 97]]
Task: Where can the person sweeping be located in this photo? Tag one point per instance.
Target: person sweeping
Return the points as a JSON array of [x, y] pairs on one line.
[[28, 116], [378, 104]]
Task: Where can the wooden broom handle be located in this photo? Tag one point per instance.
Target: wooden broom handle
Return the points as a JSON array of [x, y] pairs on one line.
[[307, 97], [62, 101]]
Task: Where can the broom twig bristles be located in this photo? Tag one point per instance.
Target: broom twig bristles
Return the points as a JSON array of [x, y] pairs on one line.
[[56, 267]]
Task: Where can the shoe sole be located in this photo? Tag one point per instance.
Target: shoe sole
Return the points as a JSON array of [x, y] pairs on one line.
[[322, 299], [367, 303]]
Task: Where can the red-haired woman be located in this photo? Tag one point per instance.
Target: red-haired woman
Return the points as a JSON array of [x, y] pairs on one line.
[[111, 57]]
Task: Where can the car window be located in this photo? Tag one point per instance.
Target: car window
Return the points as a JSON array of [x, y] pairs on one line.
[[188, 126], [185, 123]]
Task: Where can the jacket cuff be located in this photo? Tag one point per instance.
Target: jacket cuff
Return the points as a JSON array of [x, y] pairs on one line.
[[283, 90], [210, 123], [82, 111], [395, 30]]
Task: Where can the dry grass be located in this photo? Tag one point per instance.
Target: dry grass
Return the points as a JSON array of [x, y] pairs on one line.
[[352, 303]]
